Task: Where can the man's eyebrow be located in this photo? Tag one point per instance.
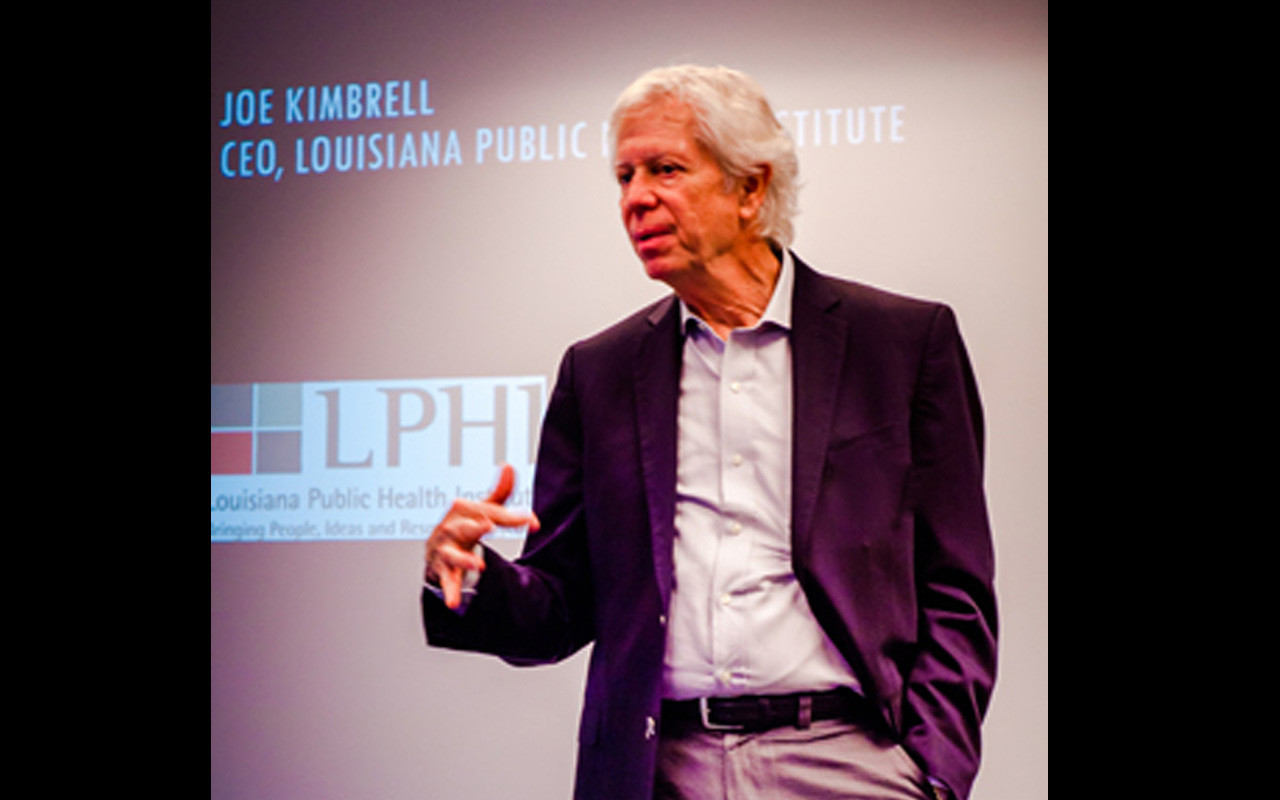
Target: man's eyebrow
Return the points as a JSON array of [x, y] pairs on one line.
[[650, 157]]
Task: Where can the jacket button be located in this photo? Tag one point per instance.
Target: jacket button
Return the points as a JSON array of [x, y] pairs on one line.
[[650, 728]]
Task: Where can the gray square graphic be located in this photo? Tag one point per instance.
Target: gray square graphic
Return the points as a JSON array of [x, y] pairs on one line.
[[279, 452]]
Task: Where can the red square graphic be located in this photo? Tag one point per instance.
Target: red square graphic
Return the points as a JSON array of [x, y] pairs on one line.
[[231, 453]]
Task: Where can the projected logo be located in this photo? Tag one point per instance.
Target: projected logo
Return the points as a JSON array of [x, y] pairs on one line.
[[363, 459], [255, 428]]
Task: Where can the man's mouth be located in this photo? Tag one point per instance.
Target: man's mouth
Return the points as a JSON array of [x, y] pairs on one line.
[[648, 233]]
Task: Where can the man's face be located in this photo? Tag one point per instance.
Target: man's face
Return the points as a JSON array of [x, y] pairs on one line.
[[677, 207]]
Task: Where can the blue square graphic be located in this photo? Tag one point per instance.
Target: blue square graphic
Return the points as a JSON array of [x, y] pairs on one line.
[[231, 405]]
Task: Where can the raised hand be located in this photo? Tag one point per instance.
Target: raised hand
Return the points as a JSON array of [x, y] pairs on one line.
[[451, 546]]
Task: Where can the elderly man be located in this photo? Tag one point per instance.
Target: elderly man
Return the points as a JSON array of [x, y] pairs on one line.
[[760, 498]]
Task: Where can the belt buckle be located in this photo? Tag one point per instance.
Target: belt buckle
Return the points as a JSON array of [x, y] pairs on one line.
[[705, 709]]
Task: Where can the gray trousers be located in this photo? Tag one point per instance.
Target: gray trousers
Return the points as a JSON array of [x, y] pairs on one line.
[[830, 759]]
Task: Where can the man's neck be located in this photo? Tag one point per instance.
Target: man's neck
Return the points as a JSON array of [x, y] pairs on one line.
[[734, 291]]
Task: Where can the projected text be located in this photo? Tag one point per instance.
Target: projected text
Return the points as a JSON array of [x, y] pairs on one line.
[[391, 114]]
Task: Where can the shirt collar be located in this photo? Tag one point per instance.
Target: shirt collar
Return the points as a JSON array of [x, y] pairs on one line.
[[778, 311]]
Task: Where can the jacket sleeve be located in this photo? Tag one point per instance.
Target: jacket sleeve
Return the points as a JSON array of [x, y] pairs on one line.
[[950, 683], [536, 609]]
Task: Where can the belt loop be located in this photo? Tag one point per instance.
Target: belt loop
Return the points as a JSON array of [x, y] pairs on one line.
[[804, 714]]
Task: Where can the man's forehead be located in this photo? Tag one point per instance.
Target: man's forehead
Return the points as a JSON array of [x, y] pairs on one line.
[[655, 128]]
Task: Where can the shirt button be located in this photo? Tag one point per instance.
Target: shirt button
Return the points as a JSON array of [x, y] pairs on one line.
[[662, 620], [725, 599], [735, 528], [650, 728], [737, 459], [735, 387]]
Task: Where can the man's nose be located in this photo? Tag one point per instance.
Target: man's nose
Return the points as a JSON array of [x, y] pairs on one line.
[[638, 194]]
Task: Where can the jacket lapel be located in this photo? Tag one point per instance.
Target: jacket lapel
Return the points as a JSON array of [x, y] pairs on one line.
[[657, 393], [817, 357]]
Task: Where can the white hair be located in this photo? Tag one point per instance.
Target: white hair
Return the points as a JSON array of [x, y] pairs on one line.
[[734, 121]]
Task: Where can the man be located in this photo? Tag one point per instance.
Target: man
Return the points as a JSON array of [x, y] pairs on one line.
[[761, 499]]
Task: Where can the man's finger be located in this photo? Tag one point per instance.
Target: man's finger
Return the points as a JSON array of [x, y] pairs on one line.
[[455, 558], [451, 585], [506, 481], [498, 497], [447, 567], [507, 518], [466, 528]]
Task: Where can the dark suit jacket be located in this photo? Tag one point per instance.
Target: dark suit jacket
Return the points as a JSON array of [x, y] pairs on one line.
[[890, 538]]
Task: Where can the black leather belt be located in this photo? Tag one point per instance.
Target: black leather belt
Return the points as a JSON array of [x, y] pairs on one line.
[[754, 713]]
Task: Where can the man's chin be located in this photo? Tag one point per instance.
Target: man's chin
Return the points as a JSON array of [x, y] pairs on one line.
[[660, 268], [660, 273]]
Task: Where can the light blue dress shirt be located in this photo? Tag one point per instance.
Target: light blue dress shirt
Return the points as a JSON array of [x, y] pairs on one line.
[[739, 622]]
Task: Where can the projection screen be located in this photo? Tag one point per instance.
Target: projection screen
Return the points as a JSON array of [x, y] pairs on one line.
[[412, 214]]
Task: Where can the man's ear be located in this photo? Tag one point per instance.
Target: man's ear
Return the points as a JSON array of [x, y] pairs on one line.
[[752, 190]]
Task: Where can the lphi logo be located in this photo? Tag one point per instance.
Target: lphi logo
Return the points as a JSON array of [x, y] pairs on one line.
[[363, 459], [295, 428]]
